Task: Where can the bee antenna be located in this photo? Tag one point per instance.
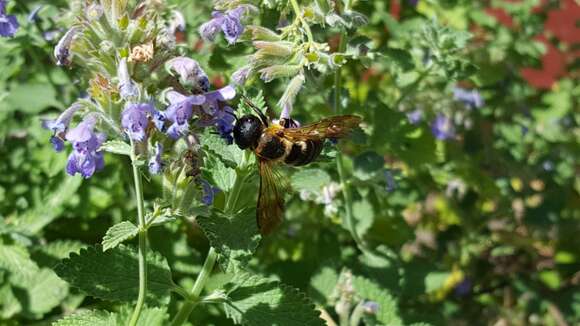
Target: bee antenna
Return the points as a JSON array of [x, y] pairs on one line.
[[255, 108]]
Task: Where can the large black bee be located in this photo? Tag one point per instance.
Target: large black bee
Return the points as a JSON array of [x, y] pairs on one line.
[[275, 143]]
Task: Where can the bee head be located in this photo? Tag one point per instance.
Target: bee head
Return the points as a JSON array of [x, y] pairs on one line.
[[247, 131]]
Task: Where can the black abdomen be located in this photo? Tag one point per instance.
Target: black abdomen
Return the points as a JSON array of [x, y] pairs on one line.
[[303, 152], [271, 147]]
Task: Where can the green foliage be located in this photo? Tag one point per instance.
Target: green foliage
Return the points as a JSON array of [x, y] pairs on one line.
[[235, 238], [112, 275], [255, 300], [119, 233], [450, 230]]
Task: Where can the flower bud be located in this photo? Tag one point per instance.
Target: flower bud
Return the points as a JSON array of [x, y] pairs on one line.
[[279, 71], [62, 52]]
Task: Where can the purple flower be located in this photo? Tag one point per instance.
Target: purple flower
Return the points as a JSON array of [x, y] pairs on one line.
[[8, 23], [229, 22], [209, 192], [134, 120], [225, 124], [471, 98], [442, 127], [190, 73], [155, 162], [413, 2], [127, 88], [180, 111], [240, 76], [85, 159], [215, 112], [62, 49], [59, 126], [415, 116]]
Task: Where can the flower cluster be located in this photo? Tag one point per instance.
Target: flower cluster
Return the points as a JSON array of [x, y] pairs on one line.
[[230, 22], [120, 101]]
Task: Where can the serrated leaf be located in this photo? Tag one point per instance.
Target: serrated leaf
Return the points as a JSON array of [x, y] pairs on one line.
[[116, 147], [310, 179], [233, 238], [114, 274], [255, 300], [119, 233], [387, 312], [231, 156], [88, 318], [53, 252], [222, 176]]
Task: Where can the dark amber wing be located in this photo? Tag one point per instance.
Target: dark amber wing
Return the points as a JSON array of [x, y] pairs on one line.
[[333, 127], [270, 210]]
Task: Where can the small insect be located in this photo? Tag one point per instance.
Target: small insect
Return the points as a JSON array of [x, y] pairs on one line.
[[276, 143]]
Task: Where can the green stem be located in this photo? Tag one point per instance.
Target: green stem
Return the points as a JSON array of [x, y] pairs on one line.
[[187, 308], [210, 260], [298, 13], [142, 239], [350, 223]]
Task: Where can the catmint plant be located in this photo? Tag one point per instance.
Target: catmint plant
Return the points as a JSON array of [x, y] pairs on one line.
[[151, 101]]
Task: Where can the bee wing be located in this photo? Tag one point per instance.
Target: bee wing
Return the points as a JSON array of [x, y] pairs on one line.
[[333, 127], [270, 200]]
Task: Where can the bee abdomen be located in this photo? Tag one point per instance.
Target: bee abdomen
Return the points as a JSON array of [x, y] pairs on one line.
[[271, 147], [303, 152]]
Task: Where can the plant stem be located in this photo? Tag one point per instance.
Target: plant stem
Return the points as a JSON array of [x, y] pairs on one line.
[[210, 260], [142, 239], [298, 13], [350, 223], [188, 306]]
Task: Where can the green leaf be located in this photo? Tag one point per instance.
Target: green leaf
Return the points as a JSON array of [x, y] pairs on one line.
[[51, 208], [367, 164], [310, 179], [322, 284], [88, 318], [53, 252], [232, 156], [39, 292], [16, 260], [114, 274], [32, 98], [364, 214], [233, 238], [116, 147], [387, 313], [119, 233], [255, 300], [222, 176], [149, 316]]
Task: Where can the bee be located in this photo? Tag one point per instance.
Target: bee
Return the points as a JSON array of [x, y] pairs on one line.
[[283, 143]]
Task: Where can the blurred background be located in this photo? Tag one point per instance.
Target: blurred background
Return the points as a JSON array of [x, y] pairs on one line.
[[467, 185]]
